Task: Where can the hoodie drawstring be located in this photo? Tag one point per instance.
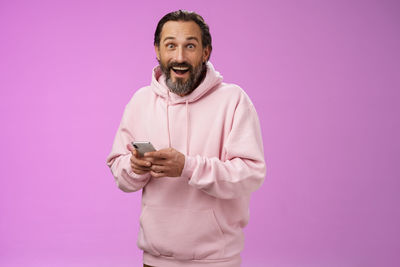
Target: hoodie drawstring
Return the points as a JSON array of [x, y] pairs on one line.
[[169, 135], [187, 125]]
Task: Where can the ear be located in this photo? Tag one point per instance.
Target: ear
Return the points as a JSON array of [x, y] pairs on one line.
[[157, 49], [206, 54]]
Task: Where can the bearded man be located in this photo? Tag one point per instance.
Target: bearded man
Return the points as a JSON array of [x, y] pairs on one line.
[[196, 187]]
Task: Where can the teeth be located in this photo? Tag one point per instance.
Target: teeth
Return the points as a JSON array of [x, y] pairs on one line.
[[180, 68]]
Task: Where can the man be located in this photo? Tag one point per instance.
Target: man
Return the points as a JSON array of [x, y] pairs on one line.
[[196, 188]]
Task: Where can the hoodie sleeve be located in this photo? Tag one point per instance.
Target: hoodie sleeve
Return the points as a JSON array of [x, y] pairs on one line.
[[119, 158], [244, 169]]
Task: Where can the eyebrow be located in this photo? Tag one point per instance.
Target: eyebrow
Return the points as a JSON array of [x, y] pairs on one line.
[[188, 39]]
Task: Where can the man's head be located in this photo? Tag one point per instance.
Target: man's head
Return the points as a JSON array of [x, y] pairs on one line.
[[183, 46]]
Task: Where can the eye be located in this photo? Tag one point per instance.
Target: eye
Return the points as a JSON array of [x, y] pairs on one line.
[[190, 46], [170, 46]]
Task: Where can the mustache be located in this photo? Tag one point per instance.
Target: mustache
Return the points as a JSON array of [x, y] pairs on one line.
[[181, 64]]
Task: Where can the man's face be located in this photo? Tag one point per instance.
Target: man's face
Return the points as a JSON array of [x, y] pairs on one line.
[[181, 55]]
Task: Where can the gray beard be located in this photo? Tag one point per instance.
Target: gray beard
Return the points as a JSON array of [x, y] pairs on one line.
[[182, 88]]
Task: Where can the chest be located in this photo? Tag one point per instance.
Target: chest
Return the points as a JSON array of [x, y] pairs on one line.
[[199, 128]]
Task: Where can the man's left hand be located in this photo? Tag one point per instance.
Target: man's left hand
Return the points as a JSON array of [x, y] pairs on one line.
[[166, 162]]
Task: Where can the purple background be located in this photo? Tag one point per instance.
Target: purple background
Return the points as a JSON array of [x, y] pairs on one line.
[[323, 75]]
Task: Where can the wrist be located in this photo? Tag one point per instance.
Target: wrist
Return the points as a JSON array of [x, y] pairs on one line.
[[188, 167]]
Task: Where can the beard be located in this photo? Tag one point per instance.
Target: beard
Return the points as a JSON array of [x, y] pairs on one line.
[[180, 86]]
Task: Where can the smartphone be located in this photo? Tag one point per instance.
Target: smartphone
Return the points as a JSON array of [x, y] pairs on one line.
[[143, 147]]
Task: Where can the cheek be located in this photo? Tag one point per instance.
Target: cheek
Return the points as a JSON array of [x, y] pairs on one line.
[[164, 61], [194, 59], [164, 55]]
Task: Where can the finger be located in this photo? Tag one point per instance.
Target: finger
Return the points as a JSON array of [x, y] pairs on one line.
[[137, 171], [159, 168], [140, 162], [157, 154], [140, 167], [158, 161], [147, 159], [157, 174]]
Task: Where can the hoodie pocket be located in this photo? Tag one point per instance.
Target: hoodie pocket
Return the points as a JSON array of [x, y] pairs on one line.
[[180, 233]]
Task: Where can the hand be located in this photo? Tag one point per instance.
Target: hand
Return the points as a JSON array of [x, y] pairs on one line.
[[139, 165], [166, 162]]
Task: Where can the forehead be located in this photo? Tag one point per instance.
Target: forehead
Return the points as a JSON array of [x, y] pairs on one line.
[[180, 30]]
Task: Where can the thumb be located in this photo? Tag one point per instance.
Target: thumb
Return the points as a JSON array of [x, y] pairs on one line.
[[130, 148]]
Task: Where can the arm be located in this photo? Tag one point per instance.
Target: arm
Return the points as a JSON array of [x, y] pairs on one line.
[[119, 159], [243, 169]]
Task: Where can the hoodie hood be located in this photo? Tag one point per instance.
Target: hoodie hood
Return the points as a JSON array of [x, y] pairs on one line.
[[212, 79]]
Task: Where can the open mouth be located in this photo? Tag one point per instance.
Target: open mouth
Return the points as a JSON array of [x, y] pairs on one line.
[[180, 70]]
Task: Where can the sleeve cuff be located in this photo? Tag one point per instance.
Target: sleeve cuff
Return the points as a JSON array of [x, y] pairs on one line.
[[188, 168]]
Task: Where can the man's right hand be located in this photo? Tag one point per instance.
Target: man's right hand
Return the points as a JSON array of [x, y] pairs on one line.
[[139, 165]]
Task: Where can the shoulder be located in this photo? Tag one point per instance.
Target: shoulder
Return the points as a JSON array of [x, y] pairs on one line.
[[143, 92], [141, 95], [229, 88], [234, 93]]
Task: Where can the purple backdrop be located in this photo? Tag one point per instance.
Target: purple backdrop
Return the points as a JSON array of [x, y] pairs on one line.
[[323, 75]]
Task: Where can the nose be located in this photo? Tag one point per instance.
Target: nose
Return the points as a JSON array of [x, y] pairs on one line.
[[180, 54]]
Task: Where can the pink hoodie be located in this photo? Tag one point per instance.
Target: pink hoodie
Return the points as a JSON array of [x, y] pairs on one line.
[[196, 219]]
